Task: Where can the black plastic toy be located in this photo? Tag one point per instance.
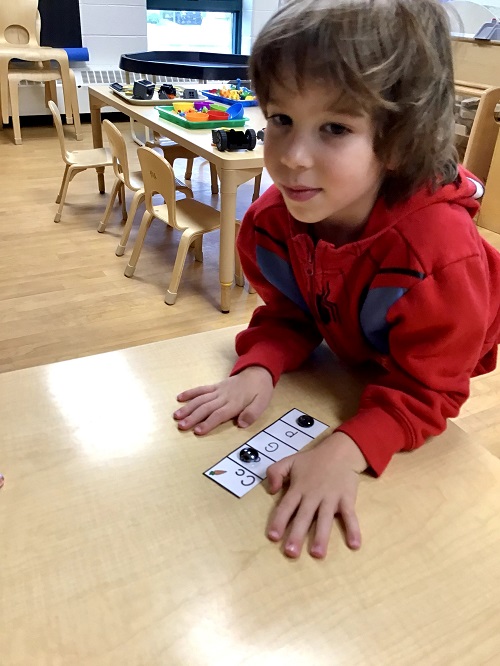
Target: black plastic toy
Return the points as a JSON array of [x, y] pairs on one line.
[[167, 91], [260, 134], [231, 139], [190, 93], [143, 89]]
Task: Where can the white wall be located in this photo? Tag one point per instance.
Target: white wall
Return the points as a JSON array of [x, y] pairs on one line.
[[113, 27], [255, 14]]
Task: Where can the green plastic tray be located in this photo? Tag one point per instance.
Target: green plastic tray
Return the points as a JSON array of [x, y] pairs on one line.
[[167, 114]]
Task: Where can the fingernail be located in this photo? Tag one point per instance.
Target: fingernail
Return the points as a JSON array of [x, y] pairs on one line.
[[273, 534], [182, 423], [291, 549], [242, 424], [197, 431], [316, 551]]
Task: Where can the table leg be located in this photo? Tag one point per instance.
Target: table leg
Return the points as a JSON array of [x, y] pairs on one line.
[[95, 120], [230, 179], [4, 88]]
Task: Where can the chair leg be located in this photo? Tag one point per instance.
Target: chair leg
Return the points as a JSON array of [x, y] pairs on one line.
[[123, 201], [75, 108], [58, 200], [138, 198], [186, 240], [50, 92], [14, 106], [198, 248], [68, 176], [189, 169], [256, 187], [107, 213], [134, 136], [185, 189], [239, 278], [213, 178], [147, 218]]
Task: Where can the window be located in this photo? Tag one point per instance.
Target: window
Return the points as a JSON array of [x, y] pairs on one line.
[[194, 25], [492, 5]]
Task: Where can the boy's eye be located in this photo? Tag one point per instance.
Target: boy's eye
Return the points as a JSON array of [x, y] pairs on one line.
[[336, 129], [279, 119]]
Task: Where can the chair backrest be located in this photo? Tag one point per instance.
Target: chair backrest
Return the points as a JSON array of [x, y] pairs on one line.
[[19, 23], [159, 178], [59, 128], [118, 151]]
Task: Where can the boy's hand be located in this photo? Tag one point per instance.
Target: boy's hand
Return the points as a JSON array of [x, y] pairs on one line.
[[323, 482], [244, 396]]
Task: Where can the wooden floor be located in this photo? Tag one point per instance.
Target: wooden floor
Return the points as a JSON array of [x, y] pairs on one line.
[[63, 293], [62, 289]]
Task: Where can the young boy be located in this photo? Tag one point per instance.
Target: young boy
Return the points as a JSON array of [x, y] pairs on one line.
[[366, 240]]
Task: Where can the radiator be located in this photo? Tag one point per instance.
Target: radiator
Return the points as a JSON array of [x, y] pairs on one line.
[[32, 95]]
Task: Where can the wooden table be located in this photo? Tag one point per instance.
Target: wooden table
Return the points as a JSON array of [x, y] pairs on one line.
[[233, 168], [116, 550]]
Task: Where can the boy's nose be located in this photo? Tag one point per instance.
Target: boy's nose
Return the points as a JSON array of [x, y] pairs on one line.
[[298, 154]]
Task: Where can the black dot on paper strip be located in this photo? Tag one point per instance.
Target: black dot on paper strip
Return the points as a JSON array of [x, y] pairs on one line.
[[249, 455], [305, 421]]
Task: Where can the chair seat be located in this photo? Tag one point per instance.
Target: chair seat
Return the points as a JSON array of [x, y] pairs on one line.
[[136, 180], [165, 143], [191, 214], [41, 75], [92, 157]]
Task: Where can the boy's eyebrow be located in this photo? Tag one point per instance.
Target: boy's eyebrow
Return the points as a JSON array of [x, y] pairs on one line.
[[346, 107]]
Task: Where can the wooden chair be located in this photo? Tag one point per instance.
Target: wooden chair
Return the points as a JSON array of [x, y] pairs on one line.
[[43, 75], [76, 161], [19, 39], [172, 151], [126, 179], [484, 131], [192, 218]]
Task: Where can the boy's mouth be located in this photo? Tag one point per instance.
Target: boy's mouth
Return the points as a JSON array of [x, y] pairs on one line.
[[300, 193]]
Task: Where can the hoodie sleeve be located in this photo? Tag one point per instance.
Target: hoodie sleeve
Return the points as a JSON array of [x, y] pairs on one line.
[[436, 340], [282, 333]]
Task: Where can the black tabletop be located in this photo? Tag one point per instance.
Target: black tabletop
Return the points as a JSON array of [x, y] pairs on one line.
[[187, 64]]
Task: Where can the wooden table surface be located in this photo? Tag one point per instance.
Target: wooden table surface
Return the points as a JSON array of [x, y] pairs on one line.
[[116, 551], [233, 168]]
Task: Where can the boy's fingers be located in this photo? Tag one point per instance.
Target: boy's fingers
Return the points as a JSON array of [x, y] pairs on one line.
[[324, 524], [193, 405], [281, 515], [351, 524], [301, 525], [217, 415], [196, 413], [194, 393], [277, 473], [252, 412]]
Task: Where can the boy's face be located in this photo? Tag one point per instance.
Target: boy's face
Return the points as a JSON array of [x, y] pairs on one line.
[[321, 156]]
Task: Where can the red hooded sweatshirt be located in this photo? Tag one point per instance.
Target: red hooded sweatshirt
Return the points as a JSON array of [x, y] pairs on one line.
[[418, 294]]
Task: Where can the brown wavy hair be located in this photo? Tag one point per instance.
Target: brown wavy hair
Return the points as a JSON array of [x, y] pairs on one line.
[[391, 58]]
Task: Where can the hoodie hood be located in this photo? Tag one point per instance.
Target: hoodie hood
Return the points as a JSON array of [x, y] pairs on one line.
[[464, 192]]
